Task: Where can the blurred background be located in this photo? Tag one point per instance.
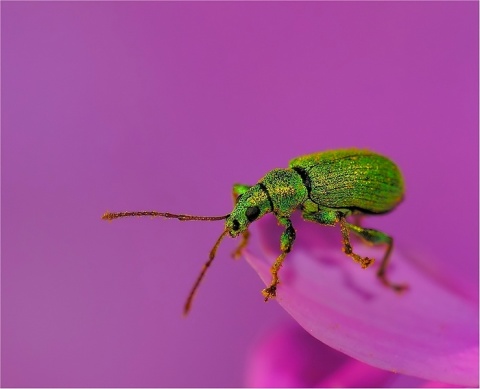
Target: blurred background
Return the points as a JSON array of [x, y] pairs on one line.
[[164, 105]]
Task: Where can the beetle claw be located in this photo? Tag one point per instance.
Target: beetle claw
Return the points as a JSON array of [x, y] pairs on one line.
[[269, 292], [237, 253], [366, 262], [398, 288]]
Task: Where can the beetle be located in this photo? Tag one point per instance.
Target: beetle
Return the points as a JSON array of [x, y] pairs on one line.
[[327, 187]]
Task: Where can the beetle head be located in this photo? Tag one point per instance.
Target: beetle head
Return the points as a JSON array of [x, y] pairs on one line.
[[250, 206]]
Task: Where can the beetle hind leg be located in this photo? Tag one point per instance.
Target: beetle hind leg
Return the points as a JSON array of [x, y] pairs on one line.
[[374, 237]]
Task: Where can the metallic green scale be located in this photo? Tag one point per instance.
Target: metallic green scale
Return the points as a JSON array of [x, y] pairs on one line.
[[352, 179], [327, 188]]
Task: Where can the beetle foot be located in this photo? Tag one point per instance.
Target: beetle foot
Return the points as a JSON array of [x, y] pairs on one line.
[[366, 262], [363, 261], [398, 288], [269, 292], [237, 253]]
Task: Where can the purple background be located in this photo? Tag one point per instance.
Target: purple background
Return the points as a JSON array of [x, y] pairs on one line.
[[132, 106]]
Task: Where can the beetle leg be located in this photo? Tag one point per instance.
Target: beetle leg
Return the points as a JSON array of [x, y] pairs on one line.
[[325, 217], [347, 247], [286, 243], [236, 254], [238, 190], [357, 219], [376, 237], [330, 217]]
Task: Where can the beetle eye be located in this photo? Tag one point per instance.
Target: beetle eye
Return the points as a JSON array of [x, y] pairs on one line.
[[238, 198], [235, 225], [252, 213]]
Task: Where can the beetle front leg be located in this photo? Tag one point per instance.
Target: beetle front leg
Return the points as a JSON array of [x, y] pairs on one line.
[[286, 243], [238, 190], [237, 253], [376, 237]]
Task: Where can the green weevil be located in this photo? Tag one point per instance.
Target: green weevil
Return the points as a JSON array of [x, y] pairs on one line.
[[327, 187]]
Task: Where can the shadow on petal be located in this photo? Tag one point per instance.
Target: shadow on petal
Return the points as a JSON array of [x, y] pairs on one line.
[[428, 332]]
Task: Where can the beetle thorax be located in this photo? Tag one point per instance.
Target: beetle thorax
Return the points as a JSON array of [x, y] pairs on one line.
[[286, 190]]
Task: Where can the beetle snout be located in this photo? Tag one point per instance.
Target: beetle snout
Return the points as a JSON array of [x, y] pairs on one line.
[[233, 226]]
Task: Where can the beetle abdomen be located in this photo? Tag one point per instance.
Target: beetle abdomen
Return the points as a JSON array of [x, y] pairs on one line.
[[354, 179]]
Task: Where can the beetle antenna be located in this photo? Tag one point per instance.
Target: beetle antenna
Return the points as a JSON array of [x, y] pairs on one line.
[[188, 303], [116, 215]]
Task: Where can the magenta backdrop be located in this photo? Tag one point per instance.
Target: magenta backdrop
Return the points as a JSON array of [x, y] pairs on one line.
[[132, 106]]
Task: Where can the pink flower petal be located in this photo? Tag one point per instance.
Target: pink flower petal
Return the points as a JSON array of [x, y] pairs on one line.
[[430, 331], [289, 357]]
